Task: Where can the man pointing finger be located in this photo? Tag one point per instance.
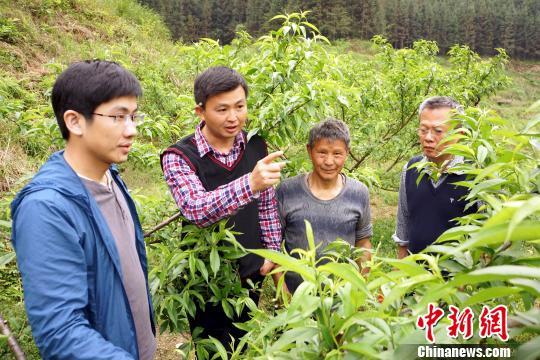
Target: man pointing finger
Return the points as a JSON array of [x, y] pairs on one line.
[[266, 173], [217, 173]]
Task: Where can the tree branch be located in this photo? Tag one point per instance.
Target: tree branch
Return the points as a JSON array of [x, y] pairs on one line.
[[162, 225], [12, 343], [400, 156], [278, 84]]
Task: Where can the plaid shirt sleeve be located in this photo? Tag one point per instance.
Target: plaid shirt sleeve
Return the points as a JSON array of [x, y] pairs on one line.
[[269, 220], [199, 206]]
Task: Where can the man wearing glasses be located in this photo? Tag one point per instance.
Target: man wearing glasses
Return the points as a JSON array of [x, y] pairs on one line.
[[426, 209], [78, 239]]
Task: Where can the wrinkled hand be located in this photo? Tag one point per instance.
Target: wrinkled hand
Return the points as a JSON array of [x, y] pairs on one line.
[[266, 267], [266, 173], [403, 251]]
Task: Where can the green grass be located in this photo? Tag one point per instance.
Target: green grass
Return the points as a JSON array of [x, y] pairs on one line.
[[382, 237], [512, 103], [389, 198]]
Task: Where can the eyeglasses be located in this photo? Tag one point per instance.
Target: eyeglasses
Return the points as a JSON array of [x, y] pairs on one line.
[[124, 118], [434, 132]]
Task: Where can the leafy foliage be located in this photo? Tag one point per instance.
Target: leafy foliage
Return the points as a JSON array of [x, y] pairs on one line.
[[296, 79], [491, 259], [195, 269]]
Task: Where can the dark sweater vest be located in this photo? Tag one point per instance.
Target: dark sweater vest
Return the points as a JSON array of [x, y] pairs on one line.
[[213, 174], [431, 209]]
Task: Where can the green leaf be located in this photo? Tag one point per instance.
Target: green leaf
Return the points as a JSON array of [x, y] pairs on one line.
[[6, 259], [287, 262], [488, 184], [460, 149], [346, 272], [529, 207], [294, 335], [361, 349], [280, 16], [481, 153], [529, 261], [402, 287], [219, 347], [309, 234], [493, 273], [502, 216], [192, 264], [489, 170], [491, 293], [532, 286], [457, 232], [411, 268], [525, 231], [214, 261], [202, 269], [227, 308], [313, 27]]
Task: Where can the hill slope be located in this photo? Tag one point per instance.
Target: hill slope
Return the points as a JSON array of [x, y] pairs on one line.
[[37, 39]]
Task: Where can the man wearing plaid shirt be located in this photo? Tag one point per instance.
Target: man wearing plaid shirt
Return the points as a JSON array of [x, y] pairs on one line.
[[217, 173]]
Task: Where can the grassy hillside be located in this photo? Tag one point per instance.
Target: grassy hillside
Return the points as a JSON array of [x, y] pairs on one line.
[[38, 38]]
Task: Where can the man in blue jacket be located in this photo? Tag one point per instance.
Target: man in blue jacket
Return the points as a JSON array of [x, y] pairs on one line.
[[78, 239]]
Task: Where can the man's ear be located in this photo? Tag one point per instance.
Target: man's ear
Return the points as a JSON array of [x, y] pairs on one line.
[[75, 122], [199, 111]]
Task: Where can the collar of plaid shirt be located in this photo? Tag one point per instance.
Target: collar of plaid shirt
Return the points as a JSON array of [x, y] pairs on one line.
[[204, 147]]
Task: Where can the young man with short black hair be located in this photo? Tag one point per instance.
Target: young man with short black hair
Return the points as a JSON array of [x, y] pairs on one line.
[[335, 205], [427, 208], [76, 232], [216, 173]]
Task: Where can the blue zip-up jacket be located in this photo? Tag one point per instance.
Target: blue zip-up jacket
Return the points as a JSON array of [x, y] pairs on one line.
[[74, 297]]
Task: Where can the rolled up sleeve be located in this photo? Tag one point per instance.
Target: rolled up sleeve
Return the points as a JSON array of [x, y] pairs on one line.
[[400, 236]]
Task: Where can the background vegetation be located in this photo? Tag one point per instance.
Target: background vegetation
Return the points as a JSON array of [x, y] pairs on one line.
[[297, 78], [483, 25]]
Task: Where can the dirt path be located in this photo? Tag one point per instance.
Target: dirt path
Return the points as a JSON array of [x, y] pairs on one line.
[[166, 346]]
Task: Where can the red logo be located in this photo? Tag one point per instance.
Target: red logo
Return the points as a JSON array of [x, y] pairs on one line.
[[461, 323], [494, 322], [491, 322], [429, 320]]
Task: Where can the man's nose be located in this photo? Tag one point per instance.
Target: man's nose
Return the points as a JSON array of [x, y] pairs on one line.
[[130, 129], [328, 160], [232, 115]]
